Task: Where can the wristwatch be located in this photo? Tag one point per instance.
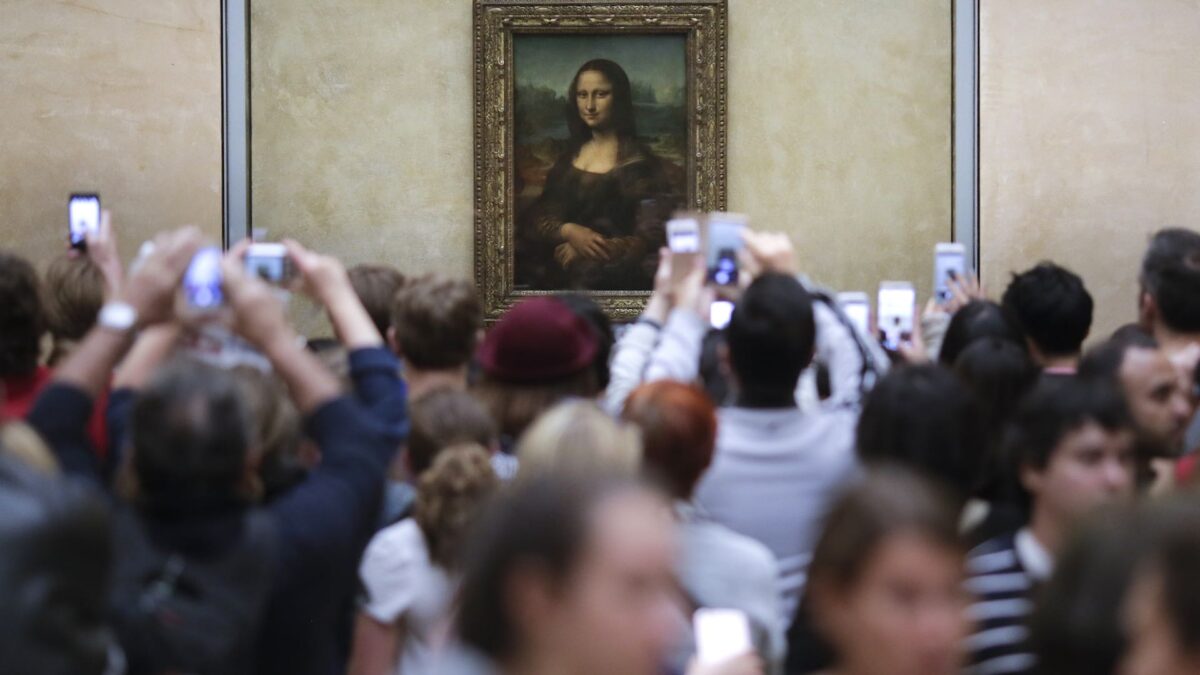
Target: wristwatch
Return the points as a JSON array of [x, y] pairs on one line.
[[118, 316]]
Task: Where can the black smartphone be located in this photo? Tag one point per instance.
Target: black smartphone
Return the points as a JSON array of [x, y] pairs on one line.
[[83, 216]]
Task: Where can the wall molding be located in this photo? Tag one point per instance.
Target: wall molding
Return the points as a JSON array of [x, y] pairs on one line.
[[964, 142], [235, 120]]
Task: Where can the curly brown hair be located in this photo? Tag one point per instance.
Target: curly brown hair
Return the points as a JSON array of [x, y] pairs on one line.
[[449, 497]]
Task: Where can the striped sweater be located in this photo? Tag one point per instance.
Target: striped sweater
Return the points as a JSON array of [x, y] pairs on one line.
[[1004, 572]]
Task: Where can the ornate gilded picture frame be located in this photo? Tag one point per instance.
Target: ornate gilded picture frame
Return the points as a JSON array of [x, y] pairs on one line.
[[594, 121]]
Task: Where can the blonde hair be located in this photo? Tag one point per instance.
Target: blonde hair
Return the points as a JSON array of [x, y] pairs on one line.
[[577, 437], [449, 496], [19, 440]]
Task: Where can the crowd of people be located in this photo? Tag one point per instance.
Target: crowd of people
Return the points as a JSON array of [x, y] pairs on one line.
[[553, 494]]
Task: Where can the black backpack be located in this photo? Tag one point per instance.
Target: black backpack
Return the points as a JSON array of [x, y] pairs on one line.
[[179, 615]]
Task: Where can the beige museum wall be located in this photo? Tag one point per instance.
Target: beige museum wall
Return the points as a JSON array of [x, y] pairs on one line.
[[839, 117], [1089, 140], [118, 96]]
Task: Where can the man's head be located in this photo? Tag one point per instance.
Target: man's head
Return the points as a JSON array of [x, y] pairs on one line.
[[53, 574], [442, 418], [190, 431], [1053, 308], [771, 335], [376, 286], [74, 294], [22, 317], [1073, 446], [436, 322], [1157, 398], [1170, 282]]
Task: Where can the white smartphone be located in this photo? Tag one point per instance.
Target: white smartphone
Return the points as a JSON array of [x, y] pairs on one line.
[[202, 291], [83, 216], [723, 245], [719, 314], [949, 263], [897, 305], [857, 307], [269, 262], [683, 234], [721, 634]]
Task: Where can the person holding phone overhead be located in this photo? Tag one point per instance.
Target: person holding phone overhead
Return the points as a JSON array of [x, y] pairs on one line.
[[598, 222]]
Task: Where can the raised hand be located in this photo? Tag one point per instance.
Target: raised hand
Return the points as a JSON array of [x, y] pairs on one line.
[[325, 279], [770, 252], [322, 277], [257, 310], [102, 250], [151, 288], [963, 291]]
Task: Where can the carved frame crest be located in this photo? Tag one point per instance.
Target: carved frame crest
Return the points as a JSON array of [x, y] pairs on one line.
[[705, 24]]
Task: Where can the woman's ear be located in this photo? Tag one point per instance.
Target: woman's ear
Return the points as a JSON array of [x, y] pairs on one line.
[[1147, 311], [1030, 478], [530, 599], [391, 341], [827, 610]]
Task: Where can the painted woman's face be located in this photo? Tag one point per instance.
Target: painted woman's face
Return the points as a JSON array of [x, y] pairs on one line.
[[593, 97]]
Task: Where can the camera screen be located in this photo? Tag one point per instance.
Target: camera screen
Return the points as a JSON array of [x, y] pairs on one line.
[[683, 235], [202, 281], [720, 313], [83, 216], [269, 268], [896, 306], [948, 265]]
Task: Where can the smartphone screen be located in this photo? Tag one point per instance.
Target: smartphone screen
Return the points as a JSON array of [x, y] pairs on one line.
[[268, 262], [858, 309], [721, 634], [202, 280], [683, 235], [724, 244], [83, 216], [949, 263], [897, 302], [720, 314]]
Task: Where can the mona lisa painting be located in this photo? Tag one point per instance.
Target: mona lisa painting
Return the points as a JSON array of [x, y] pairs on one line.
[[594, 123]]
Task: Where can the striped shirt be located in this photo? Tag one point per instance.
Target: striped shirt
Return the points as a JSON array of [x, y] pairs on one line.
[[1003, 574]]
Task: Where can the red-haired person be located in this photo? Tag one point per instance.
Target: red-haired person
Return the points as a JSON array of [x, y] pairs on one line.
[[718, 567]]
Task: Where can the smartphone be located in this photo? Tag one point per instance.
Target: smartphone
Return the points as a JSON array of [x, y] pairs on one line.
[[202, 281], [723, 245], [683, 234], [719, 314], [857, 307], [721, 634], [269, 262], [683, 238], [949, 263], [83, 216], [897, 304]]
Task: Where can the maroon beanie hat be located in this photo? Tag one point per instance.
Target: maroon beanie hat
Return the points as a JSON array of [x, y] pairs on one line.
[[538, 339]]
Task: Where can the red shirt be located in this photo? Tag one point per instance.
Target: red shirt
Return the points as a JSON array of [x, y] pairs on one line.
[[21, 391]]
